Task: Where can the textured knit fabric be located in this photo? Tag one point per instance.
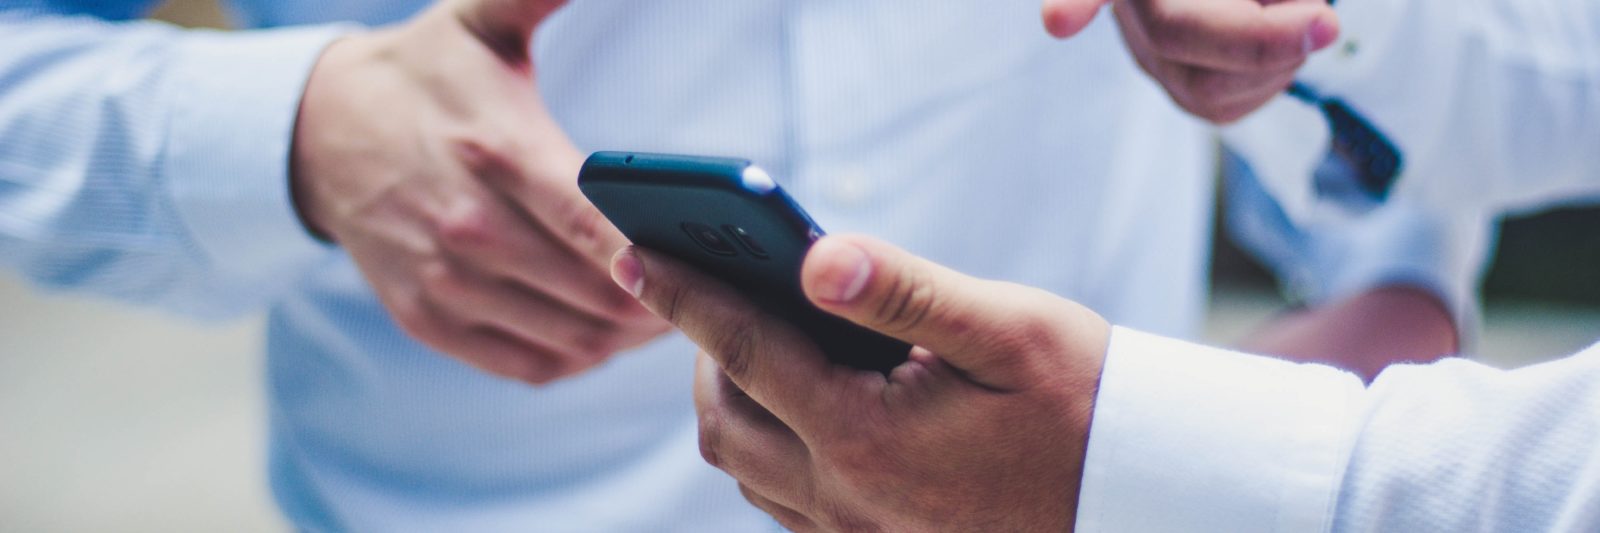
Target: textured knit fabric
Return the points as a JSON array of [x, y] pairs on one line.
[[1192, 438]]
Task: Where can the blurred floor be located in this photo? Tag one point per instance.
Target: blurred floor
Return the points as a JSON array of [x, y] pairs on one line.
[[117, 420]]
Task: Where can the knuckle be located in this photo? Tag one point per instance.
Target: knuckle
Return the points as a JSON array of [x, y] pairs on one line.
[[1165, 43], [843, 520], [1037, 329], [1262, 53], [1167, 30], [485, 155], [856, 457], [750, 495], [909, 302], [623, 307], [468, 225], [532, 365], [1029, 332], [672, 305], [1272, 52], [598, 342], [735, 345], [1215, 115], [1198, 107], [711, 427], [529, 370], [416, 321], [1208, 86], [1228, 116], [439, 282], [586, 227]]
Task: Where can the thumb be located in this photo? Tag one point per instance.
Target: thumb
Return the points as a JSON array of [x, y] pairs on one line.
[[505, 25], [1065, 18], [999, 334]]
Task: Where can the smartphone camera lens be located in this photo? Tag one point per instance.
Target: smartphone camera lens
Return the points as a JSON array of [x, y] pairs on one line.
[[747, 240], [709, 238]]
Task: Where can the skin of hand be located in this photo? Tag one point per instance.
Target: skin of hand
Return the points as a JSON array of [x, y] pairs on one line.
[[983, 429], [1218, 59], [426, 152]]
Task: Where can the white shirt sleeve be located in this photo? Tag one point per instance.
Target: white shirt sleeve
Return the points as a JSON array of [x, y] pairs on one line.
[[1191, 438]]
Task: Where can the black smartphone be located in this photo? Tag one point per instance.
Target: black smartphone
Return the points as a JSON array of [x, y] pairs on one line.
[[728, 218]]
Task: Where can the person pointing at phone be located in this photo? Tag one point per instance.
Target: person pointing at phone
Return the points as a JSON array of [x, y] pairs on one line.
[[403, 201], [1023, 411], [475, 236], [1218, 59]]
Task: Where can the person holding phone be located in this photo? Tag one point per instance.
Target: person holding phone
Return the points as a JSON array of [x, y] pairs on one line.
[[1021, 410], [402, 201], [1024, 411]]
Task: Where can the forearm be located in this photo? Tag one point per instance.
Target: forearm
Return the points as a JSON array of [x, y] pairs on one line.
[[1394, 284], [148, 163], [1364, 333]]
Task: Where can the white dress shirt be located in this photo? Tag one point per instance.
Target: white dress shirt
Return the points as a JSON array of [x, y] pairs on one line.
[[149, 164], [1191, 438], [1497, 105]]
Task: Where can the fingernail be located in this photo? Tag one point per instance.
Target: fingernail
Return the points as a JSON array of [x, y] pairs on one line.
[[1321, 34], [845, 270], [628, 272]]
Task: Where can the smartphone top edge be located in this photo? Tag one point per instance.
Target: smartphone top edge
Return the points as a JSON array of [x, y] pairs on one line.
[[672, 169]]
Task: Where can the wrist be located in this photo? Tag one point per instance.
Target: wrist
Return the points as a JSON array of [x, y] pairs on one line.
[[310, 159], [1089, 336]]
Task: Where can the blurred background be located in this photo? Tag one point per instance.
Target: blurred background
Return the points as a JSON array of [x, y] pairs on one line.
[[113, 418]]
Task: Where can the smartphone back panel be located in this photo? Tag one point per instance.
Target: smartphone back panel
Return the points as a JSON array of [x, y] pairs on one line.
[[729, 219]]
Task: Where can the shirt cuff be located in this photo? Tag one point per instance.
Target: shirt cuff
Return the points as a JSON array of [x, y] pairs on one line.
[[226, 162], [1192, 438]]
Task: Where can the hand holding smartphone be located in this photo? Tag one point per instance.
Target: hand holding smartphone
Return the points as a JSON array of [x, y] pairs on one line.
[[729, 219]]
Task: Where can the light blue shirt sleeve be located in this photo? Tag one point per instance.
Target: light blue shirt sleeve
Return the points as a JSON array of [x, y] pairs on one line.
[[1493, 104], [1334, 255], [148, 163]]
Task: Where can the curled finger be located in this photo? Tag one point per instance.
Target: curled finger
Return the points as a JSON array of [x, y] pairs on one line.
[[741, 438]]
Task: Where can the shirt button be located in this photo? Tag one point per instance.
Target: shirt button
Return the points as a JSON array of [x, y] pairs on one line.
[[1350, 48], [852, 188]]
